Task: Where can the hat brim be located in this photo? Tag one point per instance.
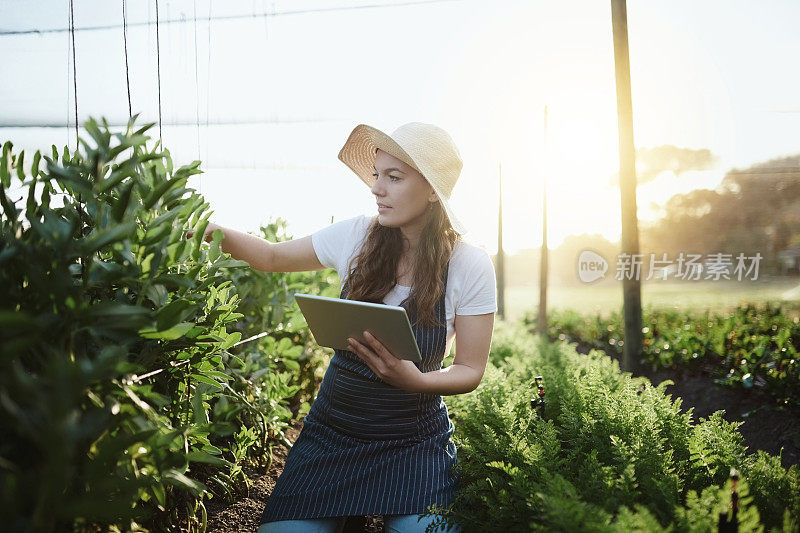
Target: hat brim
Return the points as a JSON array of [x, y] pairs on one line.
[[358, 153]]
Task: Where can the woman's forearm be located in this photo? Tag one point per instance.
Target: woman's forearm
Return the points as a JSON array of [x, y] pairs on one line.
[[455, 379], [254, 250]]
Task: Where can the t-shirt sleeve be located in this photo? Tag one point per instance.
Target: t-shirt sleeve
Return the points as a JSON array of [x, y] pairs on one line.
[[334, 244], [480, 287]]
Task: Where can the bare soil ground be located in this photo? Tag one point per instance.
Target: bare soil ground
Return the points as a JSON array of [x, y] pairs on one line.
[[244, 514]]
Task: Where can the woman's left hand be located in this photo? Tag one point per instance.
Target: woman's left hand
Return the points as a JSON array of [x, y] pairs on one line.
[[398, 372]]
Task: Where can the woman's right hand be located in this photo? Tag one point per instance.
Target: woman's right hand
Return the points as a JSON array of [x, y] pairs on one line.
[[210, 227]]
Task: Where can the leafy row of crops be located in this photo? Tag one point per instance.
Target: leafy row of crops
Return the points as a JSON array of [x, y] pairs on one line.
[[752, 346], [607, 452], [139, 369]]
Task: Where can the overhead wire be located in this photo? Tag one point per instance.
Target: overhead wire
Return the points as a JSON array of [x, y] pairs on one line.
[[179, 122], [231, 17], [158, 68]]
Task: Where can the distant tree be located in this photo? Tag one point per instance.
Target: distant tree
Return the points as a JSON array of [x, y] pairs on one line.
[[651, 162], [564, 259], [753, 210]]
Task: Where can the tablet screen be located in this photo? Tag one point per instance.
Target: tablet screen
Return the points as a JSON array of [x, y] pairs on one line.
[[333, 320]]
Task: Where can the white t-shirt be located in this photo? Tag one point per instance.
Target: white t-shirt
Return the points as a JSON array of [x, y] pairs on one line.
[[471, 283]]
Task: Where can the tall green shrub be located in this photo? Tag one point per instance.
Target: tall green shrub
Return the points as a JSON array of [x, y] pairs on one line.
[[122, 391]]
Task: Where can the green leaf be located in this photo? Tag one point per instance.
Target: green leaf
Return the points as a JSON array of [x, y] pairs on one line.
[[174, 281], [182, 481], [162, 189], [120, 206], [198, 456], [173, 313], [232, 339], [9, 208], [210, 448], [102, 237], [175, 332], [155, 234], [20, 168], [206, 380], [214, 251], [198, 410], [160, 493], [31, 206], [35, 164], [156, 293], [114, 178], [5, 176], [217, 374], [116, 314], [166, 217], [198, 235], [231, 263]]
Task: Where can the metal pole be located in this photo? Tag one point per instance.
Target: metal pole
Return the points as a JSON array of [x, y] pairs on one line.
[[501, 256], [543, 268], [631, 288]]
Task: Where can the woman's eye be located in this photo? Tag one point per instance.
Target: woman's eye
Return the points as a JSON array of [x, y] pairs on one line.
[[375, 175]]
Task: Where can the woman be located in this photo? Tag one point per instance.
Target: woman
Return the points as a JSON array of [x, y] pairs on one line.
[[377, 438]]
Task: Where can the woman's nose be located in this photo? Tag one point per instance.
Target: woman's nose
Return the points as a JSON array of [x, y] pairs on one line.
[[377, 188]]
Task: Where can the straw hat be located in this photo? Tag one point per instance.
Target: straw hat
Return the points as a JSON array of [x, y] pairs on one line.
[[426, 148]]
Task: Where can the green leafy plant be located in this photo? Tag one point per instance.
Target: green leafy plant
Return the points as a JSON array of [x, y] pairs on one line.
[[128, 392], [753, 346], [608, 453]]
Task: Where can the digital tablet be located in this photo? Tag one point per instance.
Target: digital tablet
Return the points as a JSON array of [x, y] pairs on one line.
[[333, 320]]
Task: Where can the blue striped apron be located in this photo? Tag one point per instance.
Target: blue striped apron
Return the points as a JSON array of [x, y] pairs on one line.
[[367, 447]]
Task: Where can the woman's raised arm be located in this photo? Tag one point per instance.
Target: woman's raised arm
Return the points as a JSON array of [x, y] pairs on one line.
[[296, 255]]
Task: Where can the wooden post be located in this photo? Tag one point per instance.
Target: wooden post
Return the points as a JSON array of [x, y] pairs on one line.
[[631, 288], [501, 256], [543, 262]]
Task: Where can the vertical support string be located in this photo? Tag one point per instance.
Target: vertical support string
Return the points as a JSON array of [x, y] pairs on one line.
[[78, 205], [74, 68], [196, 82], [69, 58], [208, 79], [197, 96], [125, 42], [158, 66]]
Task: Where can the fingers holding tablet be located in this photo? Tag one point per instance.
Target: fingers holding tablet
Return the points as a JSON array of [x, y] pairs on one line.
[[400, 373]]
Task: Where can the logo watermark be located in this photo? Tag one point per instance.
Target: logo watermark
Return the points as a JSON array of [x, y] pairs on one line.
[[592, 266]]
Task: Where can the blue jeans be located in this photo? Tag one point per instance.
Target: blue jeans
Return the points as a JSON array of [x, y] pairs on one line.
[[401, 523]]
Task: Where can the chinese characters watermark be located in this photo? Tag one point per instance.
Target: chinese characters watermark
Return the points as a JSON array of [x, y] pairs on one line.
[[592, 266]]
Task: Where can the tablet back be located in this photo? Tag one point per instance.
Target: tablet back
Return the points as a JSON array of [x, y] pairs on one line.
[[333, 320]]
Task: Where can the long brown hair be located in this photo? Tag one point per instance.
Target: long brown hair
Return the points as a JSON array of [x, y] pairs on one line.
[[373, 271]]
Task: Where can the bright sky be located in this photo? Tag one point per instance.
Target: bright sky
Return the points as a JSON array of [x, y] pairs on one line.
[[713, 74]]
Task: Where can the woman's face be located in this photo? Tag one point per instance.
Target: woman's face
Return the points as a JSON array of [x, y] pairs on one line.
[[403, 190]]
